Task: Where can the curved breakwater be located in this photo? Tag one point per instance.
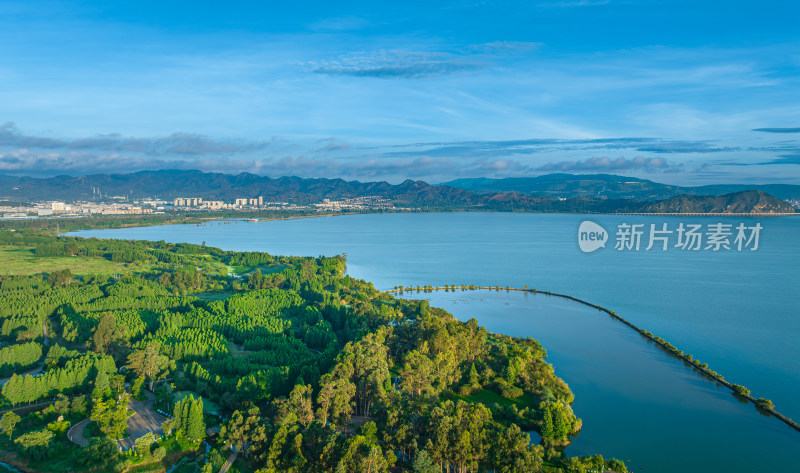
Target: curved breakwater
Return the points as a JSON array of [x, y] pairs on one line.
[[760, 403]]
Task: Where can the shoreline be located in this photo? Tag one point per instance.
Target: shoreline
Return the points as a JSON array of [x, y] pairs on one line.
[[10, 459], [189, 220], [701, 368]]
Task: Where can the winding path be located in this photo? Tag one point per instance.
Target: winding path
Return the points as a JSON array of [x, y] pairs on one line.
[[75, 433], [229, 462], [144, 419], [29, 406], [32, 371]]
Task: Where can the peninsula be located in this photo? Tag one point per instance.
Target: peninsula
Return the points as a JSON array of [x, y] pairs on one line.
[[135, 356]]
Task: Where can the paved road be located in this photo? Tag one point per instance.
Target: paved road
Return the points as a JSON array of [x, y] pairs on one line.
[[75, 434], [27, 406], [35, 370], [228, 463], [144, 420]]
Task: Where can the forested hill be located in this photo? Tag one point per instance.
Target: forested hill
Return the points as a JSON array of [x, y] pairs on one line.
[[298, 366], [413, 194], [610, 186], [755, 202], [739, 202], [169, 184]]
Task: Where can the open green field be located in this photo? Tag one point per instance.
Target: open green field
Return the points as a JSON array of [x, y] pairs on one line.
[[247, 270], [209, 406], [19, 260], [236, 351], [213, 296]]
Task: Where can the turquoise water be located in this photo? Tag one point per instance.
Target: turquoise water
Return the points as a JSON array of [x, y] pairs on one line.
[[736, 311]]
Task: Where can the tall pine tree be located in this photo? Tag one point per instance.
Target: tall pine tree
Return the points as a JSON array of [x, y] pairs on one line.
[[196, 426], [560, 427], [188, 418], [547, 424], [101, 385], [13, 390]]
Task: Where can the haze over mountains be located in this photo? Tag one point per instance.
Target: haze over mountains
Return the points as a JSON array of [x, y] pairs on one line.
[[170, 184], [611, 186], [549, 193]]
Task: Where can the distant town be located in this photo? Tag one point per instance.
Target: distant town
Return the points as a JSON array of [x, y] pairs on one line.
[[119, 205]]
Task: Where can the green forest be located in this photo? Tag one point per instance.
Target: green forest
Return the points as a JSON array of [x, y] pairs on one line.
[[189, 358]]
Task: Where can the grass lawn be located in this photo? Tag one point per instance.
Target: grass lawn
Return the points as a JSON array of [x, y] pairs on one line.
[[208, 405], [18, 260], [213, 267], [213, 296], [247, 270], [236, 351]]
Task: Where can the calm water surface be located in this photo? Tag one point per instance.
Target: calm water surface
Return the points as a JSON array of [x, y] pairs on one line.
[[736, 311]]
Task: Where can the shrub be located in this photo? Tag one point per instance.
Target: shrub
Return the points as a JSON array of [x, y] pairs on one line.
[[511, 392], [143, 443], [765, 404], [35, 444], [159, 453], [741, 390], [58, 427]]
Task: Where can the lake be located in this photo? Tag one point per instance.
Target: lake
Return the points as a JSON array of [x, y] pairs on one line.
[[735, 310]]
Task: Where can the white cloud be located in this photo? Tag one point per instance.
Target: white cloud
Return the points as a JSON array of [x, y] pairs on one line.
[[609, 165]]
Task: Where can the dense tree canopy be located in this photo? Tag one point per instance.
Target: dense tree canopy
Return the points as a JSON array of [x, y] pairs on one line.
[[303, 368]]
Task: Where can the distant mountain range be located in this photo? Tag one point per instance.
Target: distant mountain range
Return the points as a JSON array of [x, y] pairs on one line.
[[170, 184], [753, 201], [609, 186], [738, 202], [553, 193]]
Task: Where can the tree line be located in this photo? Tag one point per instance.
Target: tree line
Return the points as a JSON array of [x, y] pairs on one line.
[[308, 369]]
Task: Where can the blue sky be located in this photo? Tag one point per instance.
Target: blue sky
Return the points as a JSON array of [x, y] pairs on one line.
[[684, 92]]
